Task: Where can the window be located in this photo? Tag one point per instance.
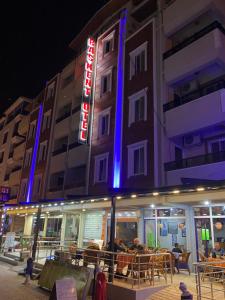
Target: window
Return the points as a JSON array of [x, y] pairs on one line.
[[23, 188], [5, 138], [138, 107], [1, 157], [108, 43], [28, 158], [51, 90], [37, 185], [138, 60], [178, 153], [56, 181], [104, 122], [101, 168], [106, 83], [32, 130], [42, 152], [137, 159], [46, 121], [217, 145], [67, 80]]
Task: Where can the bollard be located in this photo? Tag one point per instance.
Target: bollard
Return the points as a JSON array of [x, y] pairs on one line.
[[185, 294]]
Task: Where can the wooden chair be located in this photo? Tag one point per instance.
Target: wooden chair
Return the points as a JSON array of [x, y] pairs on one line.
[[140, 268], [182, 263]]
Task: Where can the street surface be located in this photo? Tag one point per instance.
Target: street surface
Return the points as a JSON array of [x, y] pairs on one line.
[[11, 287]]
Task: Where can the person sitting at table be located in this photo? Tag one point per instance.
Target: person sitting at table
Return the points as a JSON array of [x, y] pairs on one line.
[[135, 245], [176, 252], [117, 247], [217, 250]]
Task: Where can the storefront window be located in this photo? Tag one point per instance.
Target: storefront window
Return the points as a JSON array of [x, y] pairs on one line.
[[218, 210], [171, 212], [201, 211], [149, 213], [72, 227], [204, 236], [171, 231], [54, 227], [92, 227], [41, 225]]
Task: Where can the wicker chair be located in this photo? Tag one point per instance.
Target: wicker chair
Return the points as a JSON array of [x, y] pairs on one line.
[[140, 268], [182, 263], [91, 257]]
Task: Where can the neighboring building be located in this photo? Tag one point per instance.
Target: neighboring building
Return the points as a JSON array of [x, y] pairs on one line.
[[38, 145], [68, 165], [13, 131]]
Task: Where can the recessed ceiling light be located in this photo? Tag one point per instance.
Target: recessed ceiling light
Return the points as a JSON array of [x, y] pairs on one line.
[[118, 197], [133, 196], [105, 199], [200, 189], [155, 194], [206, 202], [176, 192]]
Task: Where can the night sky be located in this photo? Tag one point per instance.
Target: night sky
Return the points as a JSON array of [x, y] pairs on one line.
[[34, 42]]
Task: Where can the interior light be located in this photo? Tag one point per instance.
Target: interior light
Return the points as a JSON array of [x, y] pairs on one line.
[[49, 205], [206, 202], [152, 205], [82, 201], [176, 192], [200, 189], [55, 204], [118, 197], [61, 203], [72, 202], [133, 196], [83, 209], [105, 199], [155, 194], [92, 200]]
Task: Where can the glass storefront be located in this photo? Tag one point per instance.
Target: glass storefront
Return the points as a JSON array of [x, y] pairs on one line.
[[164, 227], [210, 228]]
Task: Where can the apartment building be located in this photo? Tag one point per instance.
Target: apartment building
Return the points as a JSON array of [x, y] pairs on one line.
[[38, 145], [14, 125], [68, 162]]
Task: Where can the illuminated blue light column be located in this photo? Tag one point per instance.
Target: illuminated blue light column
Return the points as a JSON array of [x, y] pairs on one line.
[[119, 103], [34, 155]]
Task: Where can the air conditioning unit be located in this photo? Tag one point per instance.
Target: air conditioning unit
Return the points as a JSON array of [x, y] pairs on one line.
[[192, 140], [189, 87]]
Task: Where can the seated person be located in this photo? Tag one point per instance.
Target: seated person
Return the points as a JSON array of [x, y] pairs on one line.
[[176, 252], [217, 250], [118, 246], [136, 244]]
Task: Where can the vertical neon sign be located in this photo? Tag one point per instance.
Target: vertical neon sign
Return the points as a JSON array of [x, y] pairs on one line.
[[119, 103], [87, 88], [34, 155]]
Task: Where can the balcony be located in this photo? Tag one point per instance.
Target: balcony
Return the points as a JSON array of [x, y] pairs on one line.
[[203, 49], [208, 167], [64, 116], [204, 90], [60, 150], [204, 112], [143, 9], [181, 12], [77, 156]]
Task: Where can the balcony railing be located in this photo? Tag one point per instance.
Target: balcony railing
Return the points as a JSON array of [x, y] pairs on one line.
[[204, 90], [64, 116], [60, 150], [193, 38], [195, 161]]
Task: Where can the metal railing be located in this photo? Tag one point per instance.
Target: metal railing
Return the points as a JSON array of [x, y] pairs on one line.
[[195, 161], [210, 280], [131, 269]]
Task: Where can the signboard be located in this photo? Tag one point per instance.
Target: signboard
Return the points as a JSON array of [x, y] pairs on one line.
[[4, 193], [64, 289], [87, 90]]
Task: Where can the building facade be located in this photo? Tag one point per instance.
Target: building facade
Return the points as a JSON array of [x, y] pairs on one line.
[[139, 109]]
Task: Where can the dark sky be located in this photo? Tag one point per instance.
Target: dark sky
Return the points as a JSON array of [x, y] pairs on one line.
[[34, 42]]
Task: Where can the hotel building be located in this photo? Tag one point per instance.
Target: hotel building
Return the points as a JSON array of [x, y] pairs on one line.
[[140, 109]]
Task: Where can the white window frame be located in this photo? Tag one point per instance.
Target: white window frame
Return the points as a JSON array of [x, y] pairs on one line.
[[100, 117], [98, 158], [40, 152], [50, 90], [28, 157], [23, 188], [109, 72], [109, 37], [46, 120], [131, 149], [133, 54], [218, 140], [132, 99], [32, 129], [37, 184]]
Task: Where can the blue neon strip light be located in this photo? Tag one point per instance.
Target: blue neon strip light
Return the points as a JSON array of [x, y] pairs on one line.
[[119, 103], [34, 155]]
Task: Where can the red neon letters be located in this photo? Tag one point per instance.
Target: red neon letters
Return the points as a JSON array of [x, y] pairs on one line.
[[85, 106]]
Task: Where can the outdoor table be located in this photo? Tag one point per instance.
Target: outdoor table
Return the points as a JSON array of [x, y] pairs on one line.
[[217, 262]]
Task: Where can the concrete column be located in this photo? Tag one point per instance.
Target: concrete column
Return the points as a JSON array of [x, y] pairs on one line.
[[140, 225], [63, 229], [45, 226], [28, 225], [191, 238], [81, 231]]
